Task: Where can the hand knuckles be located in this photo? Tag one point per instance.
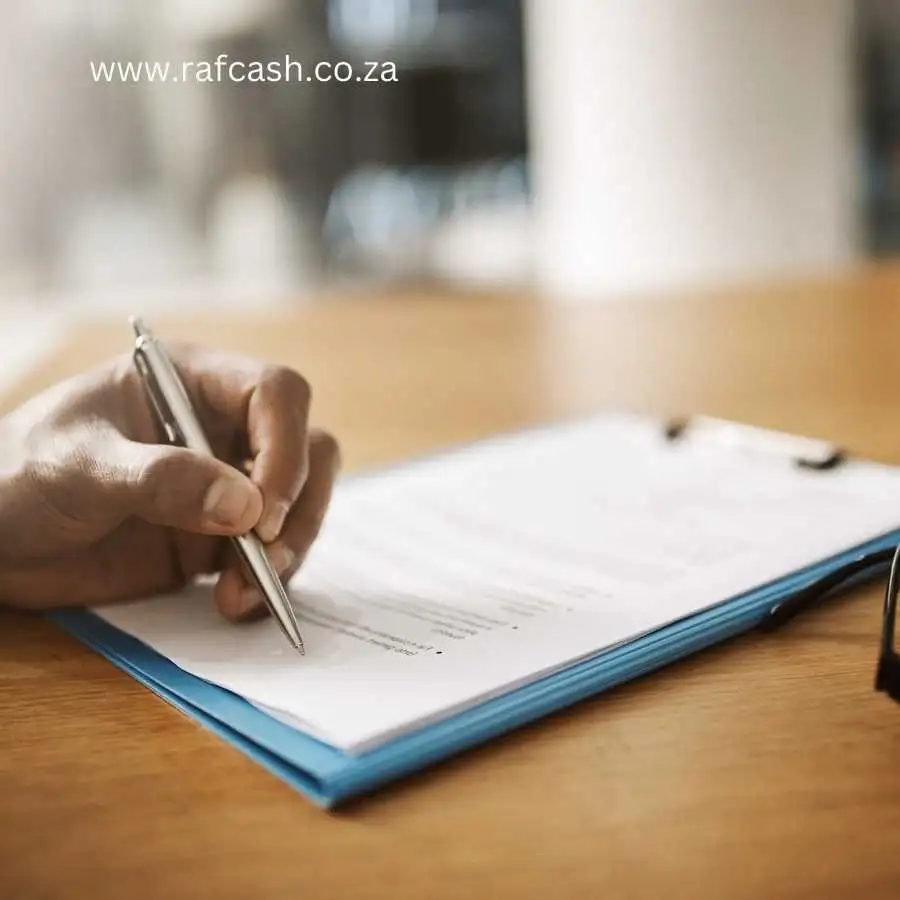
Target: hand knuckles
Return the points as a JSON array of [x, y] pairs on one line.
[[326, 445], [285, 383]]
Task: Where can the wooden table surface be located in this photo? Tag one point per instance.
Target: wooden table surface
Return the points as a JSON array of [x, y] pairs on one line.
[[765, 768]]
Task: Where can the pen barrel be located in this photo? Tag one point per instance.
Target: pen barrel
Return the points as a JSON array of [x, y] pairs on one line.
[[172, 406], [167, 393], [259, 569]]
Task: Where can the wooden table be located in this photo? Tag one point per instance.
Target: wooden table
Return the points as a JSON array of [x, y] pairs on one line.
[[764, 769]]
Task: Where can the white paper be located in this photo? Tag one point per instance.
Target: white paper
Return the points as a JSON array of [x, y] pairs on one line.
[[438, 584]]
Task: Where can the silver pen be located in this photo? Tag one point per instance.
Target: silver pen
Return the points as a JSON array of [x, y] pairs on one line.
[[172, 406]]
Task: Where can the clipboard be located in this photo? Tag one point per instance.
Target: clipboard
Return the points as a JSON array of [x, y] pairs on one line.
[[329, 776]]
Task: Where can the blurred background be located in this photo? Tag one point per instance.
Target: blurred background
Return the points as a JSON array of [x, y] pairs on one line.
[[589, 151]]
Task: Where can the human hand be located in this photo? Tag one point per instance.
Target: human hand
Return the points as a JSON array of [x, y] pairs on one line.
[[94, 510]]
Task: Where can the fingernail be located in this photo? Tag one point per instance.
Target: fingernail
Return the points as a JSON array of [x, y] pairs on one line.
[[227, 500], [272, 521], [281, 558]]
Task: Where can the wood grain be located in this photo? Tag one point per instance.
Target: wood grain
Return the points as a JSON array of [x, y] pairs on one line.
[[765, 768]]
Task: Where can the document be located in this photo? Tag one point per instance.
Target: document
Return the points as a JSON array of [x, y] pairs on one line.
[[438, 584]]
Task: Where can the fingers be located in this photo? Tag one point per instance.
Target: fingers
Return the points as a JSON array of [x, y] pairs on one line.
[[241, 602], [269, 407], [277, 422], [305, 519], [182, 489]]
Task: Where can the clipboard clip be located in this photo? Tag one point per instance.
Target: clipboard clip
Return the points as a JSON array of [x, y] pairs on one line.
[[864, 567], [806, 453]]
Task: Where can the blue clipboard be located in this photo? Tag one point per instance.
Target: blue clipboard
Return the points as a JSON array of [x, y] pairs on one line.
[[329, 776]]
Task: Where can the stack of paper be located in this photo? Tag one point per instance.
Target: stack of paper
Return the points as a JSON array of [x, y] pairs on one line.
[[453, 598]]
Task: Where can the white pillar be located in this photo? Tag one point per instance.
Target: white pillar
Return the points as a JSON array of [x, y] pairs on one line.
[[680, 143]]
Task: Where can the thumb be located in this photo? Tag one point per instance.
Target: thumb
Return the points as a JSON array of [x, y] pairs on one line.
[[184, 489]]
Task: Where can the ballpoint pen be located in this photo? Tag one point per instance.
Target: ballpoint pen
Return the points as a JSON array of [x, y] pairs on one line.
[[172, 406]]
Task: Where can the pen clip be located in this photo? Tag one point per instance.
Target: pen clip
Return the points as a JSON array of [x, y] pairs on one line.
[[155, 396]]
